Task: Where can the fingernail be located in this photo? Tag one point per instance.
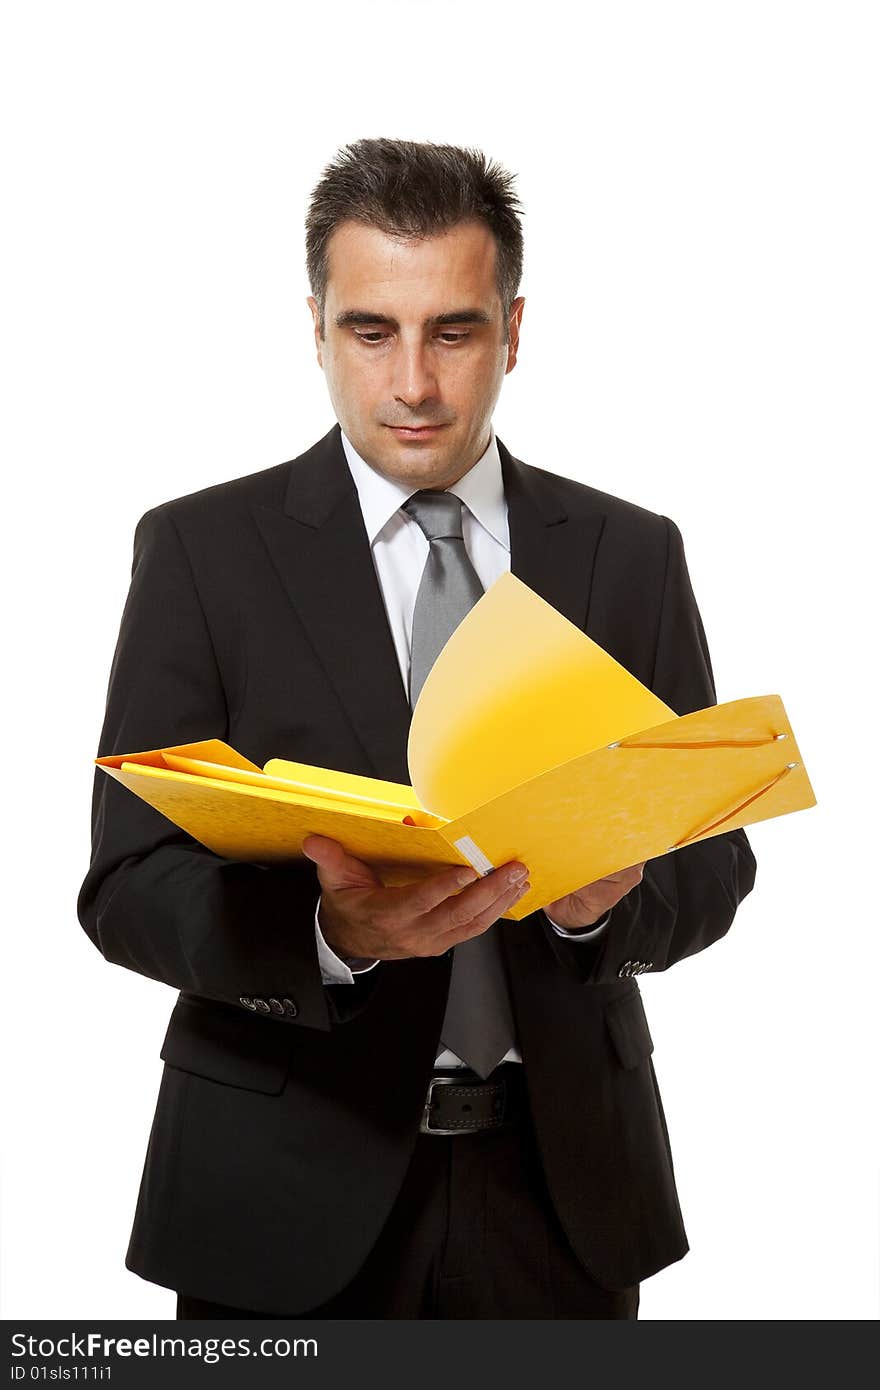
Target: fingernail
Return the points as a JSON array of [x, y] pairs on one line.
[[465, 877], [523, 889], [516, 875]]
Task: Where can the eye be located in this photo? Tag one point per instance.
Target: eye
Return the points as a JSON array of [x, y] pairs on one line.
[[371, 337], [454, 337]]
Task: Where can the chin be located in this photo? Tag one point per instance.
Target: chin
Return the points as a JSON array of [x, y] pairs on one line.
[[436, 456]]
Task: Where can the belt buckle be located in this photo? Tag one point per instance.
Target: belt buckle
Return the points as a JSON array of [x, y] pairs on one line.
[[425, 1126]]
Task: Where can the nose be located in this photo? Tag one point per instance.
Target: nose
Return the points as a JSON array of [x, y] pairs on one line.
[[414, 377]]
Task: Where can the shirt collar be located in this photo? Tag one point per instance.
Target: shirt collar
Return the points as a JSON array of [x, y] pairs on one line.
[[481, 490]]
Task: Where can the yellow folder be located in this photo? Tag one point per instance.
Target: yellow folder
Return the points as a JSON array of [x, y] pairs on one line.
[[543, 749]]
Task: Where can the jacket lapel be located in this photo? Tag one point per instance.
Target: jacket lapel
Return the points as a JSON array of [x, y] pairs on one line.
[[319, 546], [552, 542]]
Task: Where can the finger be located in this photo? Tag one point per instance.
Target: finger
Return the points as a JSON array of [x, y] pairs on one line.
[[478, 897], [336, 867], [492, 894], [417, 899], [630, 876], [484, 919]]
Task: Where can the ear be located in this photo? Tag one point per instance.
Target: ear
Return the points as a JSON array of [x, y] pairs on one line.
[[316, 320], [513, 327]]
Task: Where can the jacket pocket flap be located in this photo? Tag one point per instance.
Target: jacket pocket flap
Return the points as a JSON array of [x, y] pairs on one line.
[[212, 1040], [628, 1027]]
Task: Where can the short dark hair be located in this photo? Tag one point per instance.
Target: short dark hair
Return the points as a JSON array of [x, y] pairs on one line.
[[411, 189]]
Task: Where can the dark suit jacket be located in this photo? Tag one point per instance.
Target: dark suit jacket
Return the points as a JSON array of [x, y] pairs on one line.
[[280, 1142]]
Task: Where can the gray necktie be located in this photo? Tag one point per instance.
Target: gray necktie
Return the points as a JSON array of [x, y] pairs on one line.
[[478, 1026]]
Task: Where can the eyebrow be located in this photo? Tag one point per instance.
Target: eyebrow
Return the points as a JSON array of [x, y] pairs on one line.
[[349, 317]]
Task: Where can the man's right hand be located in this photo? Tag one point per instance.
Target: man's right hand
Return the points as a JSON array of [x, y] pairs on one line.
[[360, 917]]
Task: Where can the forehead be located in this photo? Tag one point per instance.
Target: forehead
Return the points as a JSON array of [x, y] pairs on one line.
[[368, 269]]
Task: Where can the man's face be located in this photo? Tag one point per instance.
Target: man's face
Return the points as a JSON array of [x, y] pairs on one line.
[[414, 337]]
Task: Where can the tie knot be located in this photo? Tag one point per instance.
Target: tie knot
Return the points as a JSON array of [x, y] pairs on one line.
[[438, 513]]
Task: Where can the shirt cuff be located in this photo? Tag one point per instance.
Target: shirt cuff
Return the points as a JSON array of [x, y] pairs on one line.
[[584, 935], [335, 970]]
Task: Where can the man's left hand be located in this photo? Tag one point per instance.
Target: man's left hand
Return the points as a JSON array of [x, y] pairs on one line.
[[585, 906]]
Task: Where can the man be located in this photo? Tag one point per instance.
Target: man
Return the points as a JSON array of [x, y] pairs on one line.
[[387, 1102]]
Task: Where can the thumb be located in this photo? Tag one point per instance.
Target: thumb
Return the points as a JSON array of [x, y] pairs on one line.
[[336, 867]]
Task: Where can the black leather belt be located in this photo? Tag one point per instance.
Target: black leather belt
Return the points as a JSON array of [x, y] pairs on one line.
[[458, 1101]]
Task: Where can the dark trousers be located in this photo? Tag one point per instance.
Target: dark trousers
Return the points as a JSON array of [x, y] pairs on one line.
[[472, 1234]]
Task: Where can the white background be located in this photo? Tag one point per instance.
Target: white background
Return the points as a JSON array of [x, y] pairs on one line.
[[700, 336]]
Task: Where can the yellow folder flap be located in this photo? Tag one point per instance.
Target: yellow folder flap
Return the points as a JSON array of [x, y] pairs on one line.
[[345, 785], [315, 786], [266, 826], [212, 750], [516, 690], [701, 775]]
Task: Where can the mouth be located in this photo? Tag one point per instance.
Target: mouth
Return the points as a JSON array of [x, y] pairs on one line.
[[416, 432]]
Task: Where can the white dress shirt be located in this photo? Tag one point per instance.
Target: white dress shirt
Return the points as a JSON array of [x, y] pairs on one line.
[[400, 549]]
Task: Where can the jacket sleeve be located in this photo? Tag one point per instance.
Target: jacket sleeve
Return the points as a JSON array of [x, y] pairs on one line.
[[687, 899], [154, 900]]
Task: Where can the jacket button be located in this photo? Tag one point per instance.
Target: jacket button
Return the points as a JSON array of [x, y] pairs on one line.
[[289, 1008], [262, 1006], [248, 1002], [275, 1006]]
